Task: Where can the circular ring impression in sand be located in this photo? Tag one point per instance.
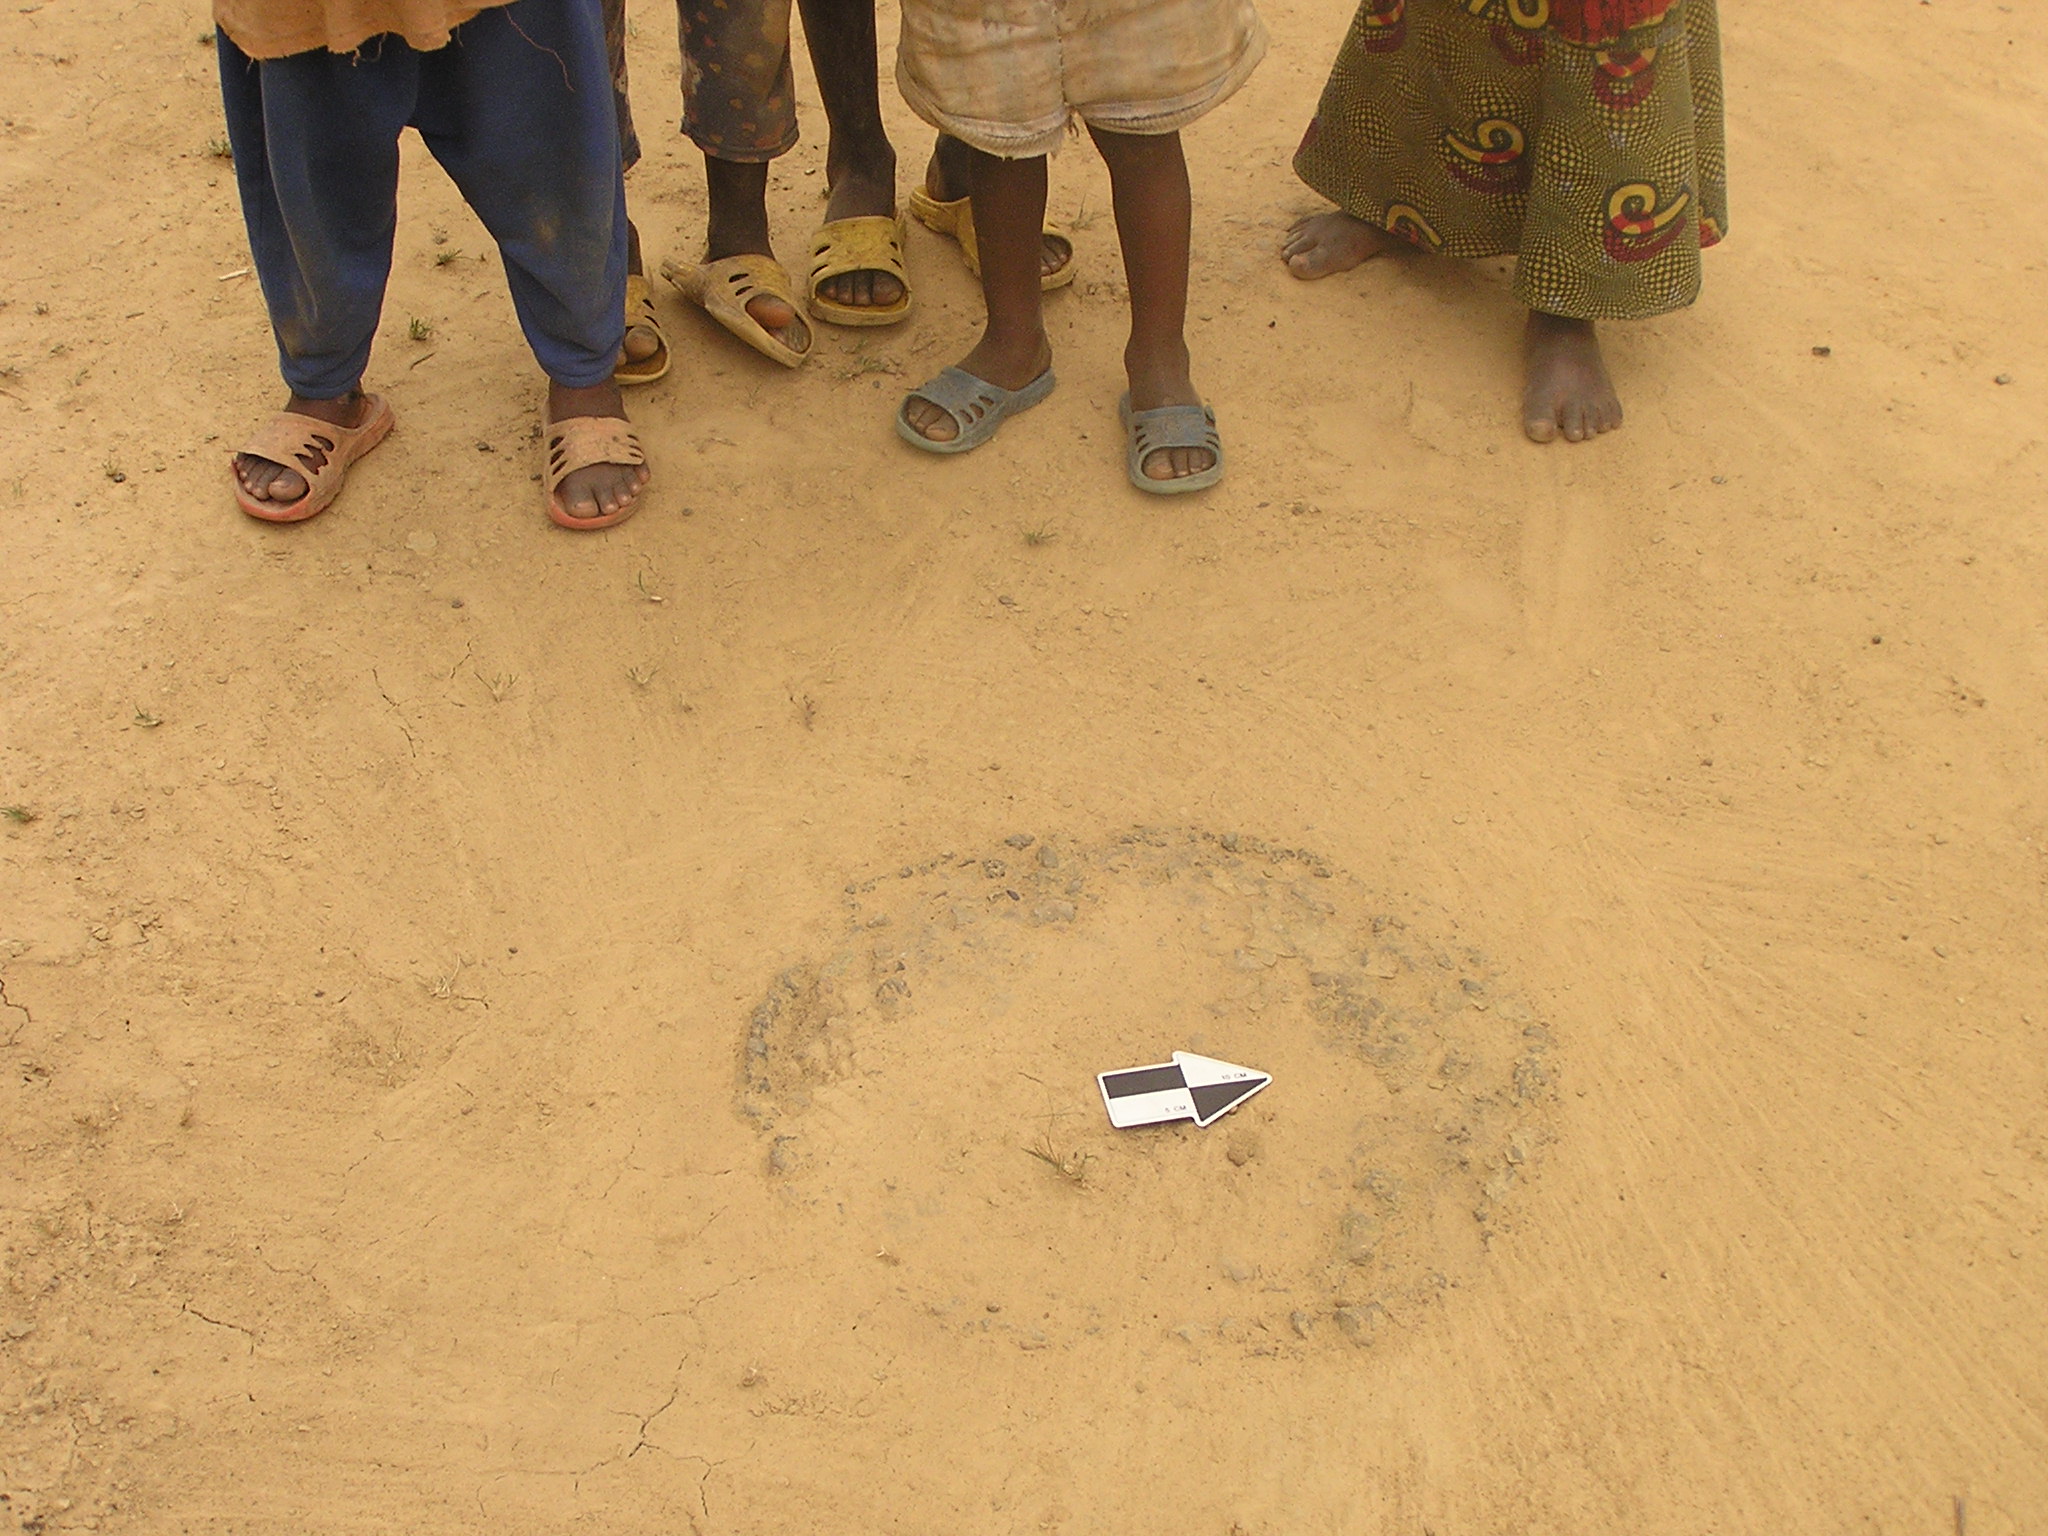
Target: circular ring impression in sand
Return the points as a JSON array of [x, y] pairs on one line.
[[929, 1084]]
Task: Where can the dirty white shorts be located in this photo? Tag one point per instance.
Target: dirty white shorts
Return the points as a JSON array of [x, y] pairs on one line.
[[1006, 75]]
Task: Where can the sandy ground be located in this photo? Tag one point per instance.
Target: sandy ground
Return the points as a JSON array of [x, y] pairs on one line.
[[516, 1032]]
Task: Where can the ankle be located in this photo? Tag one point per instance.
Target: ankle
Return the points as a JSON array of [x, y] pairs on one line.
[[566, 400], [1542, 324], [344, 410], [1010, 358], [1164, 361], [867, 158]]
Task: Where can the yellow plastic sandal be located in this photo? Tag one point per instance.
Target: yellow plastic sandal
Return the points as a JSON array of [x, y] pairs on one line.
[[955, 220], [640, 313], [724, 288], [578, 442], [858, 245]]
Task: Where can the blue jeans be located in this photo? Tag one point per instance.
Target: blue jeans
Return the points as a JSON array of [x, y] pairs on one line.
[[517, 108]]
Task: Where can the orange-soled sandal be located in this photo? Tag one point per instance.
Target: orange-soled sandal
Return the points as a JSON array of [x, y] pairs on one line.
[[318, 450], [579, 442]]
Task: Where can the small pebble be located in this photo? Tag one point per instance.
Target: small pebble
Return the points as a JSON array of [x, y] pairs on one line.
[[1047, 858], [1020, 840], [1823, 351], [1302, 1324], [2003, 378]]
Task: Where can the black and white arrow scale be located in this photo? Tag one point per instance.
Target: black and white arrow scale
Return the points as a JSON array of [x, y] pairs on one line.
[[1189, 1087]]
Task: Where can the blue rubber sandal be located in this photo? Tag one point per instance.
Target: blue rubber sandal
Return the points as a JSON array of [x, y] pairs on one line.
[[976, 406], [1170, 426]]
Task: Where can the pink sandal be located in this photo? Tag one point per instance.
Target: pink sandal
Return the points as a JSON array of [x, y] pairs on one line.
[[318, 450], [579, 442]]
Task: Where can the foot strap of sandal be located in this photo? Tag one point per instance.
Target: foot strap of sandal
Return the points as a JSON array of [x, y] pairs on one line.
[[578, 442]]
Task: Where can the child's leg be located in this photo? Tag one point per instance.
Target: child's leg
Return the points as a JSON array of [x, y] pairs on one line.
[[860, 162], [641, 343], [949, 176], [739, 108], [315, 139], [1567, 391], [1149, 183], [519, 110], [1009, 213]]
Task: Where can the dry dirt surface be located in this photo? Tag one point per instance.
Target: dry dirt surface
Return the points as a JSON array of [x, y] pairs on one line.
[[515, 1032]]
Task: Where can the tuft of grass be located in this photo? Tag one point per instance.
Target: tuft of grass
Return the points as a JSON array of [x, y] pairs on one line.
[[864, 362], [419, 330], [1040, 536], [220, 149], [146, 720], [20, 815], [443, 985], [442, 258], [640, 582], [1071, 1165], [641, 676], [113, 471]]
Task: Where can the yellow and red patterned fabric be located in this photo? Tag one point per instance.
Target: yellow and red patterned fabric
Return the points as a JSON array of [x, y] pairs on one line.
[[1583, 136]]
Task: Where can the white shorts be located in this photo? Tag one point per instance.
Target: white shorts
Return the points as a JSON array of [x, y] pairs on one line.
[[1006, 75]]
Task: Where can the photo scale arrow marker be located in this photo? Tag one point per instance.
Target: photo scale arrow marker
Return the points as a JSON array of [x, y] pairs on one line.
[[1190, 1087]]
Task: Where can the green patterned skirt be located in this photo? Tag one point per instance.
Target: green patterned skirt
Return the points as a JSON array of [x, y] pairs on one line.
[[1502, 127]]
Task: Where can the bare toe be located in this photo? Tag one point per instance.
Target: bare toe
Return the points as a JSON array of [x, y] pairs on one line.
[[930, 421], [779, 319], [641, 344], [771, 312]]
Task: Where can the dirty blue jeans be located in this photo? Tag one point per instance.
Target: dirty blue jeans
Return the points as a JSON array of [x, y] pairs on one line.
[[517, 108]]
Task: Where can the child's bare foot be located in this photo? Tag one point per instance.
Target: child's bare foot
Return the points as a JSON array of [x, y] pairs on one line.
[[1006, 363], [265, 481], [1568, 392], [1324, 244], [600, 489]]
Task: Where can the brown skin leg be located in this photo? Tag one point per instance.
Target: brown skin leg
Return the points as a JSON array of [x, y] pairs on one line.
[[950, 175], [1149, 183], [1009, 211], [1148, 177], [1568, 393], [1323, 244], [860, 162]]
